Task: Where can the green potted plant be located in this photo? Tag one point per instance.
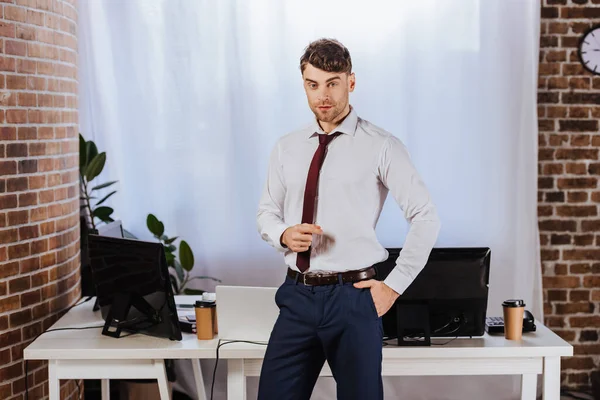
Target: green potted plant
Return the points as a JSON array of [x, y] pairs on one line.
[[183, 266]]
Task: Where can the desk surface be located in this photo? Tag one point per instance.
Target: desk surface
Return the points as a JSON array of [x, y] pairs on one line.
[[91, 344]]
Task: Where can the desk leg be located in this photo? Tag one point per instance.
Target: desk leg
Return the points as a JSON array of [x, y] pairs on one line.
[[551, 378], [53, 381], [199, 379], [105, 389], [528, 386], [161, 377], [236, 381]]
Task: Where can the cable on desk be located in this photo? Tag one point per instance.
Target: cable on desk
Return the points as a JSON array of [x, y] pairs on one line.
[[212, 386]]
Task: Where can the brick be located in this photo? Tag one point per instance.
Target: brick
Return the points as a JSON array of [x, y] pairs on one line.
[[574, 308], [7, 133], [548, 98], [594, 169], [548, 41], [546, 125], [27, 199], [16, 48], [567, 335], [580, 141], [16, 150], [557, 295], [549, 12], [581, 254], [576, 154], [30, 298], [578, 125], [588, 336], [576, 211], [545, 211], [591, 281], [7, 63], [579, 295], [591, 225], [580, 83], [584, 321], [9, 304], [18, 217], [546, 154], [580, 268], [560, 239], [27, 133], [580, 97], [27, 99], [577, 363], [29, 232], [596, 295], [16, 82], [579, 112], [584, 240], [577, 183], [556, 55], [555, 197], [550, 255], [8, 201], [558, 226], [577, 197], [29, 264], [579, 12], [545, 183], [561, 282], [557, 27], [558, 83], [28, 166]]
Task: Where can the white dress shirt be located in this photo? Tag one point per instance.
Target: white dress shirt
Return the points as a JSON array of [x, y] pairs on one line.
[[361, 166]]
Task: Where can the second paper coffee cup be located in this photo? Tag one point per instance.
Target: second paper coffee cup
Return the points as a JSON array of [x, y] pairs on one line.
[[513, 318]]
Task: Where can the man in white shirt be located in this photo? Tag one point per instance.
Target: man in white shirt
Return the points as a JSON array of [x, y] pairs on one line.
[[325, 189]]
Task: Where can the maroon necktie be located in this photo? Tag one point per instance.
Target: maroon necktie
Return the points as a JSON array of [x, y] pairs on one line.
[[310, 194]]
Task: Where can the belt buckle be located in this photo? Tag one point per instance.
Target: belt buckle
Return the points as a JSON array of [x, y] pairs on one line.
[[316, 274]]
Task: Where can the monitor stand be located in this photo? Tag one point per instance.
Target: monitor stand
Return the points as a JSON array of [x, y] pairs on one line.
[[412, 320], [117, 314]]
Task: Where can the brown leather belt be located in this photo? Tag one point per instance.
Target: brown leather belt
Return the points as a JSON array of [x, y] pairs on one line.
[[329, 278]]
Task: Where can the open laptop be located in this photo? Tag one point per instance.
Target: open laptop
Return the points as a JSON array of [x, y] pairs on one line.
[[246, 313]]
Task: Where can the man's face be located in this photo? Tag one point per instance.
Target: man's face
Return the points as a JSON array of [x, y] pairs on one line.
[[327, 92]]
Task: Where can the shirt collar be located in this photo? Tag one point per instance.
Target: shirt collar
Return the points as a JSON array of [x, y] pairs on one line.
[[348, 125]]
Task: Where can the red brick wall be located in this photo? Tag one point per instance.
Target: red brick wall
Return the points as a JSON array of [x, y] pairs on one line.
[[39, 186], [569, 190]]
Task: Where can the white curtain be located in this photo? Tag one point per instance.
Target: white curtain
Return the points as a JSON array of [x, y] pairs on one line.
[[188, 97]]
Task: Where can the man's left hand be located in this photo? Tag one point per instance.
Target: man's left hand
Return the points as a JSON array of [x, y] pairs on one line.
[[383, 295]]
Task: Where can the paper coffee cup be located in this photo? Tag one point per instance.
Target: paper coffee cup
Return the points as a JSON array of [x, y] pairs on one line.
[[513, 318]]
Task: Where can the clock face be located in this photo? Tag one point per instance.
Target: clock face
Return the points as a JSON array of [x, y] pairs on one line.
[[589, 50]]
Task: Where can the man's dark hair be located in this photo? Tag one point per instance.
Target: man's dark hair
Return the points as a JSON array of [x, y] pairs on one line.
[[328, 55]]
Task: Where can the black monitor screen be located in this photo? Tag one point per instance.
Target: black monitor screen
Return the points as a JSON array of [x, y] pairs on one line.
[[133, 286], [452, 288]]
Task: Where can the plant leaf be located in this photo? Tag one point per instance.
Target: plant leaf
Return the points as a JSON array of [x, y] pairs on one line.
[[82, 155], [186, 256], [171, 248], [95, 166], [174, 284], [107, 184], [106, 197], [193, 291], [102, 212], [179, 270], [91, 151], [170, 259], [169, 241], [154, 225]]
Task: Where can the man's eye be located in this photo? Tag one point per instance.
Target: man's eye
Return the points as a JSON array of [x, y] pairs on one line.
[[333, 84]]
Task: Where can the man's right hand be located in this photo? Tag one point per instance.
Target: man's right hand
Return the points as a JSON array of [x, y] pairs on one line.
[[298, 238]]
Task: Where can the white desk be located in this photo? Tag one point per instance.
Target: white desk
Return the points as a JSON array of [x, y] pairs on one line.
[[86, 354]]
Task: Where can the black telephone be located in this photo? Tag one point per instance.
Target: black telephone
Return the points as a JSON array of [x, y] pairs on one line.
[[496, 324]]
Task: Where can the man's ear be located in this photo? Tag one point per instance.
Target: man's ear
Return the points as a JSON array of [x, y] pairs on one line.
[[351, 82]]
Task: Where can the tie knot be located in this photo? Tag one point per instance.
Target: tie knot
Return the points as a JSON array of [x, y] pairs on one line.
[[325, 139]]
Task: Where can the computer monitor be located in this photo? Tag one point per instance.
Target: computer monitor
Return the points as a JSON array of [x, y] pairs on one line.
[[447, 299], [133, 287]]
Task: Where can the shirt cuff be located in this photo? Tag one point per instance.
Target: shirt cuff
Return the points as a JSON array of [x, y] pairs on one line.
[[274, 235], [398, 281]]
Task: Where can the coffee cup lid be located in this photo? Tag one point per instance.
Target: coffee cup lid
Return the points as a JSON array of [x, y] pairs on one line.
[[513, 303], [204, 304]]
